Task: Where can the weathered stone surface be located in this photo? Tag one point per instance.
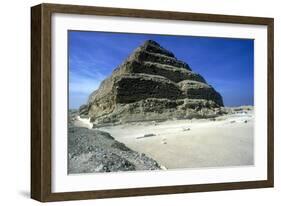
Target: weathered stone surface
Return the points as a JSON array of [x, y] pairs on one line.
[[172, 73], [135, 87], [198, 90], [152, 84], [153, 109]]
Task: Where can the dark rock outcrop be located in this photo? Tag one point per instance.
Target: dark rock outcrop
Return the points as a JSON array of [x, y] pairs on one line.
[[152, 84]]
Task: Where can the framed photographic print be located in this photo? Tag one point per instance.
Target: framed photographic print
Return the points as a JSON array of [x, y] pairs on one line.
[[130, 102]]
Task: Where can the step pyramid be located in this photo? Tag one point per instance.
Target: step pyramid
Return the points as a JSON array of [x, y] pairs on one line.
[[152, 84]]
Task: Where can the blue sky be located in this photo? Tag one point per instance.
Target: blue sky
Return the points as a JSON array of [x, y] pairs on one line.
[[227, 64]]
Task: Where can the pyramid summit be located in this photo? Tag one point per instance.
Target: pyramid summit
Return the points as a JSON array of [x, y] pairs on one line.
[[152, 84]]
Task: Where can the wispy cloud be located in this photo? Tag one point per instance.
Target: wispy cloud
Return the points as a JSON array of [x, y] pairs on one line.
[[82, 84], [85, 76]]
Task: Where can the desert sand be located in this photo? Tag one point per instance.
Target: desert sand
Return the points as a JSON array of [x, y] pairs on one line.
[[224, 141]]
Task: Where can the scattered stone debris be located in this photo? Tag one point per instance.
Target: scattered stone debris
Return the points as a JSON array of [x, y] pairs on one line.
[[146, 135], [149, 135], [245, 121], [186, 129]]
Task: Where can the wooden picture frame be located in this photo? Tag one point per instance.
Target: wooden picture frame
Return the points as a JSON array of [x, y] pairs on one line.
[[41, 116]]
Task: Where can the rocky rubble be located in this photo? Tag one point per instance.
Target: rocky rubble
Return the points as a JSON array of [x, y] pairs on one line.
[[96, 151]]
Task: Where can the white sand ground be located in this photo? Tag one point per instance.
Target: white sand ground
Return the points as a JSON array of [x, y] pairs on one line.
[[228, 141]]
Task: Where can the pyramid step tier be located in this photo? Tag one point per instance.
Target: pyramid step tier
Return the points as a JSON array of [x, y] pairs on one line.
[[159, 58], [153, 109], [154, 47], [135, 87], [175, 74]]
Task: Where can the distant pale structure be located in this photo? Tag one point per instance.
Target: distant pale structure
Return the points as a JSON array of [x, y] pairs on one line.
[[152, 84]]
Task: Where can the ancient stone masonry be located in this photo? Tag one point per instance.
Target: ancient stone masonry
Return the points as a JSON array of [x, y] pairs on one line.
[[152, 84]]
